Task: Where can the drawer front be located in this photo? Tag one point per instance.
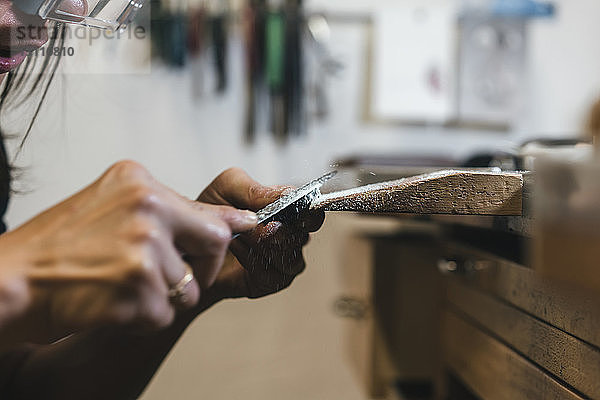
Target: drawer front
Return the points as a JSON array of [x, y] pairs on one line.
[[567, 358], [491, 369], [571, 310], [555, 327]]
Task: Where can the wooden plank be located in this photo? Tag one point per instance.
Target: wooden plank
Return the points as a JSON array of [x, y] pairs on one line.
[[561, 354], [570, 309], [492, 370], [443, 192]]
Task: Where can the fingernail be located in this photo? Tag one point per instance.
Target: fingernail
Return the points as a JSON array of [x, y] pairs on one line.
[[250, 217]]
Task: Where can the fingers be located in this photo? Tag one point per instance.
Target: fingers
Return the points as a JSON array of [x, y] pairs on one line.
[[238, 220], [234, 186], [275, 235], [204, 238], [271, 248], [203, 232], [261, 196], [110, 254], [151, 305], [175, 272], [264, 275], [154, 310], [311, 220], [146, 301]]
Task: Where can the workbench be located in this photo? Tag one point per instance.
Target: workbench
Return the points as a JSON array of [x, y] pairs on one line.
[[450, 307]]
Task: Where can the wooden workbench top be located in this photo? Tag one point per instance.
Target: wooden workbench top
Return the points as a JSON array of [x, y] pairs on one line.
[[481, 198]]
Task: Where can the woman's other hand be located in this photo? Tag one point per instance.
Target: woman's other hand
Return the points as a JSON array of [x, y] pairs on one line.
[[268, 258], [110, 254]]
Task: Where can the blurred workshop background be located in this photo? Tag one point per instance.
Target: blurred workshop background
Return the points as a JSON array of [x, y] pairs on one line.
[[285, 89]]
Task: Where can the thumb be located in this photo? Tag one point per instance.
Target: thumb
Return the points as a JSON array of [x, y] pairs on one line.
[[237, 188], [238, 220], [262, 196]]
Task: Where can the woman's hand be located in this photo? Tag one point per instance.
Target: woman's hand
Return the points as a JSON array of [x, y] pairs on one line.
[[110, 254], [270, 256]]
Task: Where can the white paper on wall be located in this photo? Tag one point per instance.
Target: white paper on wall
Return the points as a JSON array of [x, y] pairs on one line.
[[413, 61], [491, 68]]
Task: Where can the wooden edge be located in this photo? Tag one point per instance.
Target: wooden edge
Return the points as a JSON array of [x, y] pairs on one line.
[[451, 192]]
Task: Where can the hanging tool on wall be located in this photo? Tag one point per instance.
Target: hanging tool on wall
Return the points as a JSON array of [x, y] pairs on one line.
[[169, 32], [219, 41], [275, 64], [293, 88], [177, 35], [196, 30], [255, 24], [284, 67], [197, 41], [250, 37], [254, 20], [156, 27], [184, 33]]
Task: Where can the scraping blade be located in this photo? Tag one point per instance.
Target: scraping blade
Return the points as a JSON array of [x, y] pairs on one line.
[[300, 197]]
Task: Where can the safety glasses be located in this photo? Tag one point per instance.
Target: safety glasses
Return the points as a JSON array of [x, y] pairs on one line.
[[114, 15]]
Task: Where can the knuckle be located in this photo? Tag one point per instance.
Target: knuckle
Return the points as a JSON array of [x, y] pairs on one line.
[[255, 192], [193, 296], [231, 172], [122, 314], [128, 169], [14, 297], [142, 196], [139, 268], [143, 230], [156, 313], [220, 236], [223, 212], [161, 320]]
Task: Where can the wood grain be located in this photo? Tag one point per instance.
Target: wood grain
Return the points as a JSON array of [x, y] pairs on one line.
[[570, 309], [491, 369], [567, 358], [443, 192]]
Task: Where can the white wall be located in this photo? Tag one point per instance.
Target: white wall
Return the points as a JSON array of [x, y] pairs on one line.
[[92, 120], [564, 68]]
